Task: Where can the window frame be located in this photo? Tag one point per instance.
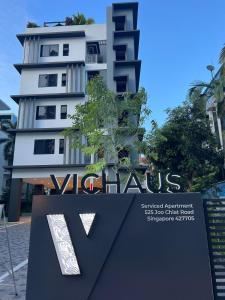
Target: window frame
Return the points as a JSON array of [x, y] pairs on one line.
[[63, 115], [43, 140], [123, 119], [124, 153], [46, 117], [120, 23], [48, 45], [118, 55], [61, 146], [64, 80], [94, 46], [120, 80], [66, 49], [43, 86], [94, 74]]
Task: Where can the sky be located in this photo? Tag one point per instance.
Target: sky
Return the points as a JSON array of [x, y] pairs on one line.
[[179, 38]]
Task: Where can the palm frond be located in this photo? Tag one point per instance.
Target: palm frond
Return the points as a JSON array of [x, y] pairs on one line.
[[222, 56], [200, 84], [197, 86], [80, 19]]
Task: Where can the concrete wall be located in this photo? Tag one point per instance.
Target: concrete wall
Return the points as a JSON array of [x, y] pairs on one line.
[[91, 31], [129, 42], [77, 48], [128, 13], [46, 172], [24, 150], [28, 120], [130, 72], [77, 45], [75, 80]]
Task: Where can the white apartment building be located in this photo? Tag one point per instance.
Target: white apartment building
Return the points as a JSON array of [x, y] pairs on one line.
[[57, 63]]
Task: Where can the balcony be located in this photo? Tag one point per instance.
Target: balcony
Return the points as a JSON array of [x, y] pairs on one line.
[[96, 52], [94, 59]]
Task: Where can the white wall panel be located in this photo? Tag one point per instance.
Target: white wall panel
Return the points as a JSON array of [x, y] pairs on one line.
[[24, 150], [57, 122]]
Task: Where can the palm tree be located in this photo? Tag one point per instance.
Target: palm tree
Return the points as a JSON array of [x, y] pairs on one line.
[[79, 19], [214, 92], [222, 56], [8, 141]]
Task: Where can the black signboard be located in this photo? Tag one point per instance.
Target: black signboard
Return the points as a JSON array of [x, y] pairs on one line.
[[124, 247]]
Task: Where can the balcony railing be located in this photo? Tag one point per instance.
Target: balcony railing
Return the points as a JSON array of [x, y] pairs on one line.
[[94, 59], [53, 24]]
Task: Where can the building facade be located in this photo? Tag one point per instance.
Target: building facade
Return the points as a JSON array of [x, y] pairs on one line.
[[5, 115], [57, 63]]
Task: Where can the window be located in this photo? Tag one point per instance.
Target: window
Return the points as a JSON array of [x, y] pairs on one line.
[[63, 114], [92, 74], [93, 48], [100, 152], [65, 49], [119, 23], [124, 153], [61, 146], [44, 146], [45, 112], [120, 55], [120, 52], [121, 84], [47, 80], [64, 79], [123, 119], [49, 50]]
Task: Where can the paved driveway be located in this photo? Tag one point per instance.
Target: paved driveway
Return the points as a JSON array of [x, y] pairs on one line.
[[19, 240]]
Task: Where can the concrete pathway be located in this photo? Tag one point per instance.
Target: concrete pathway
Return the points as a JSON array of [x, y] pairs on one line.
[[19, 234]]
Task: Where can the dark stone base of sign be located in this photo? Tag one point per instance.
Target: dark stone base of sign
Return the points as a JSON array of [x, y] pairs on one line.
[[141, 247], [15, 200]]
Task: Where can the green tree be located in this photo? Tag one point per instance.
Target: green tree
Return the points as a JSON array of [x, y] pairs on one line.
[[8, 140], [111, 125], [184, 145]]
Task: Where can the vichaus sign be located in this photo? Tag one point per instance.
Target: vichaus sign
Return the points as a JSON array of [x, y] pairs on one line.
[[150, 184]]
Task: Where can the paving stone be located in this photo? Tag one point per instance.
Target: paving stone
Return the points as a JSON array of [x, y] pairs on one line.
[[19, 241]]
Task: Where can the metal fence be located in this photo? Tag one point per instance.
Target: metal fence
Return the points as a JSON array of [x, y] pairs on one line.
[[215, 223]]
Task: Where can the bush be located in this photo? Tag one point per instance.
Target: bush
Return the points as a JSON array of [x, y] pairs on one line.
[[32, 25]]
